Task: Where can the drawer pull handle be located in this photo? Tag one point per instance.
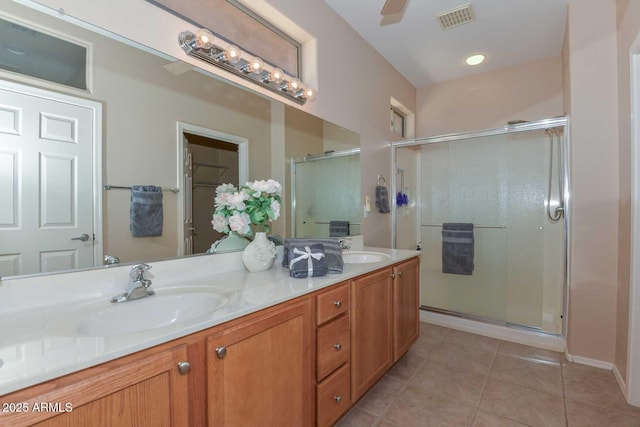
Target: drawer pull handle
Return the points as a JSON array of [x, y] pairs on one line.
[[221, 352], [338, 303], [184, 368], [337, 398], [337, 346]]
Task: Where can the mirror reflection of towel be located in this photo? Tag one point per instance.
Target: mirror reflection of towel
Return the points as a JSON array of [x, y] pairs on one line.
[[338, 228], [382, 199], [146, 211]]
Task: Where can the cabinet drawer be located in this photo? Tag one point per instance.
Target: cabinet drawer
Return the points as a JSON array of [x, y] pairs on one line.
[[333, 303], [333, 395], [333, 345]]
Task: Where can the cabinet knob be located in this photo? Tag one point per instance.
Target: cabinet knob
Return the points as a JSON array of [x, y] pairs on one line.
[[393, 275], [337, 346], [338, 303], [184, 368], [221, 352], [399, 273], [337, 398]]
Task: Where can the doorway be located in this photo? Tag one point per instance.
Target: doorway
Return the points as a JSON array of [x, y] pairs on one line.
[[207, 158]]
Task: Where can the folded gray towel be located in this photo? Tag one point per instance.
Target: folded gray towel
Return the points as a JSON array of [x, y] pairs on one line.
[[332, 251], [457, 248], [338, 228], [382, 199], [307, 261], [146, 211]]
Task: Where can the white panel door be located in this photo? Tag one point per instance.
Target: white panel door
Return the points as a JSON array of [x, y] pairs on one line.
[[187, 185], [46, 183]]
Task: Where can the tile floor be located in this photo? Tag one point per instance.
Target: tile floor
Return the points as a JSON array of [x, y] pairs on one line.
[[454, 378]]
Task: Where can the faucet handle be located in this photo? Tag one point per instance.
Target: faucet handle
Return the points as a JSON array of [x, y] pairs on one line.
[[138, 271]]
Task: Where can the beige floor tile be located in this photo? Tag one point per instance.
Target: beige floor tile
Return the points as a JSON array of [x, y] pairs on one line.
[[523, 404], [535, 375], [406, 366], [376, 401], [446, 384], [416, 407], [357, 418], [462, 358], [433, 331], [485, 419], [424, 346], [527, 352], [386, 423], [583, 415], [595, 386], [468, 340]]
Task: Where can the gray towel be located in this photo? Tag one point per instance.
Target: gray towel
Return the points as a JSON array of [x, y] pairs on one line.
[[382, 199], [146, 211], [307, 261], [457, 248], [338, 228], [332, 251]]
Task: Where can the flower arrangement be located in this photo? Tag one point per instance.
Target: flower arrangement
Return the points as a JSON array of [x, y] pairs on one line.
[[254, 203]]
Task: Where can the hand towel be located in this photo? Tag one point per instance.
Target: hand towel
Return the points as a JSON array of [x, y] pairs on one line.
[[332, 251], [308, 261], [338, 228], [382, 199], [146, 211], [457, 248]]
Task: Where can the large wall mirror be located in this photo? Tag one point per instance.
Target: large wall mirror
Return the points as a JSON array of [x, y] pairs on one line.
[[150, 107]]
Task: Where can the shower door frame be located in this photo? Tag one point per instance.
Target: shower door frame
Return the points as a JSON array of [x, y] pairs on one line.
[[562, 121]]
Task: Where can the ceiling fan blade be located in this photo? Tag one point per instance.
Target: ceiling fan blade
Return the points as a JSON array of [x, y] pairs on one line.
[[392, 7]]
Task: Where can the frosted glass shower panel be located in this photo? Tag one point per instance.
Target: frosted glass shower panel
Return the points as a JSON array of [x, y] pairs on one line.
[[464, 181], [327, 190]]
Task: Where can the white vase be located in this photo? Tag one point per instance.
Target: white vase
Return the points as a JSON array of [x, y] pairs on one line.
[[260, 254]]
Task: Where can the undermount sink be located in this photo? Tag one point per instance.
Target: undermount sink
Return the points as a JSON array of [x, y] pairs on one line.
[[163, 309], [363, 257]]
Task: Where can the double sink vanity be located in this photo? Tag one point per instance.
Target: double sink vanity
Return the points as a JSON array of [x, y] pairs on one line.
[[215, 345]]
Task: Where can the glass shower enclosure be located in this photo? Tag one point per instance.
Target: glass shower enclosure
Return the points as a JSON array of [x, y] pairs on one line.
[[511, 183]]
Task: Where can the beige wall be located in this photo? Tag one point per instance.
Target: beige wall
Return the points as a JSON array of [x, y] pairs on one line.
[[592, 68], [628, 31], [523, 92]]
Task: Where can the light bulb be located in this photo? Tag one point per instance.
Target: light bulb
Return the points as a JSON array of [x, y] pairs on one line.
[[475, 59], [232, 54], [256, 65], [295, 85], [310, 94], [204, 39], [276, 75]]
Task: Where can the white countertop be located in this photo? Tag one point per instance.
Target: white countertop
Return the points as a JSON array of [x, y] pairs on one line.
[[31, 352]]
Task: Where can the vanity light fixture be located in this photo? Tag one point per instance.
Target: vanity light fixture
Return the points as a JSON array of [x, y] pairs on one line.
[[202, 45]]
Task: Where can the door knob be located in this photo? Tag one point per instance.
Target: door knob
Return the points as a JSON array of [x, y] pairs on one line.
[[83, 237]]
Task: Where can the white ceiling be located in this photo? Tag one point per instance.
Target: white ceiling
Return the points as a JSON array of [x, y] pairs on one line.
[[507, 32]]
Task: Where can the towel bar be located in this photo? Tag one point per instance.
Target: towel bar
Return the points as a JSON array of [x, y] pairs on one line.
[[475, 226], [119, 187]]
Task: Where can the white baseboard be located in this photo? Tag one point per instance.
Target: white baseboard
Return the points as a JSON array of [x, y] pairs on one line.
[[531, 338], [621, 383], [589, 362]]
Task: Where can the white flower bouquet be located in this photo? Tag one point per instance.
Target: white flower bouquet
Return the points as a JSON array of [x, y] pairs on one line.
[[254, 203]]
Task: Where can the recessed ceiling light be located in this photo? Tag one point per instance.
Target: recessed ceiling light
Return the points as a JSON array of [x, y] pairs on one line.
[[475, 59]]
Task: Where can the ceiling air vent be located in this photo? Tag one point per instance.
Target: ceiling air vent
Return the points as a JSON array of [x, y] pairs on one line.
[[454, 17]]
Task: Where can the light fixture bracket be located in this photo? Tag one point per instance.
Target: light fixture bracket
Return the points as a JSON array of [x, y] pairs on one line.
[[213, 56]]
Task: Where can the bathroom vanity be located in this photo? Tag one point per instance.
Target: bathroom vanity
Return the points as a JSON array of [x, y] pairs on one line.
[[278, 351]]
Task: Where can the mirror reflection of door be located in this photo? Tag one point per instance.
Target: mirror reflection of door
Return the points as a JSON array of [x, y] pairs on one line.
[[47, 144], [213, 162]]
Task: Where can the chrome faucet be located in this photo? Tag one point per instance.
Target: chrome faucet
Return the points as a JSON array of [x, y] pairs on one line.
[[138, 285], [345, 244]]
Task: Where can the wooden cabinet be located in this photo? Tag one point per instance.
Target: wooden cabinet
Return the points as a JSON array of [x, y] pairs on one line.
[[261, 372], [406, 303], [138, 390], [333, 392], [371, 330]]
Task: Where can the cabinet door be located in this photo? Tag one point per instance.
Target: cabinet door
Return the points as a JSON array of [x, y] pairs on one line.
[[147, 391], [406, 318], [261, 372], [371, 334]]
